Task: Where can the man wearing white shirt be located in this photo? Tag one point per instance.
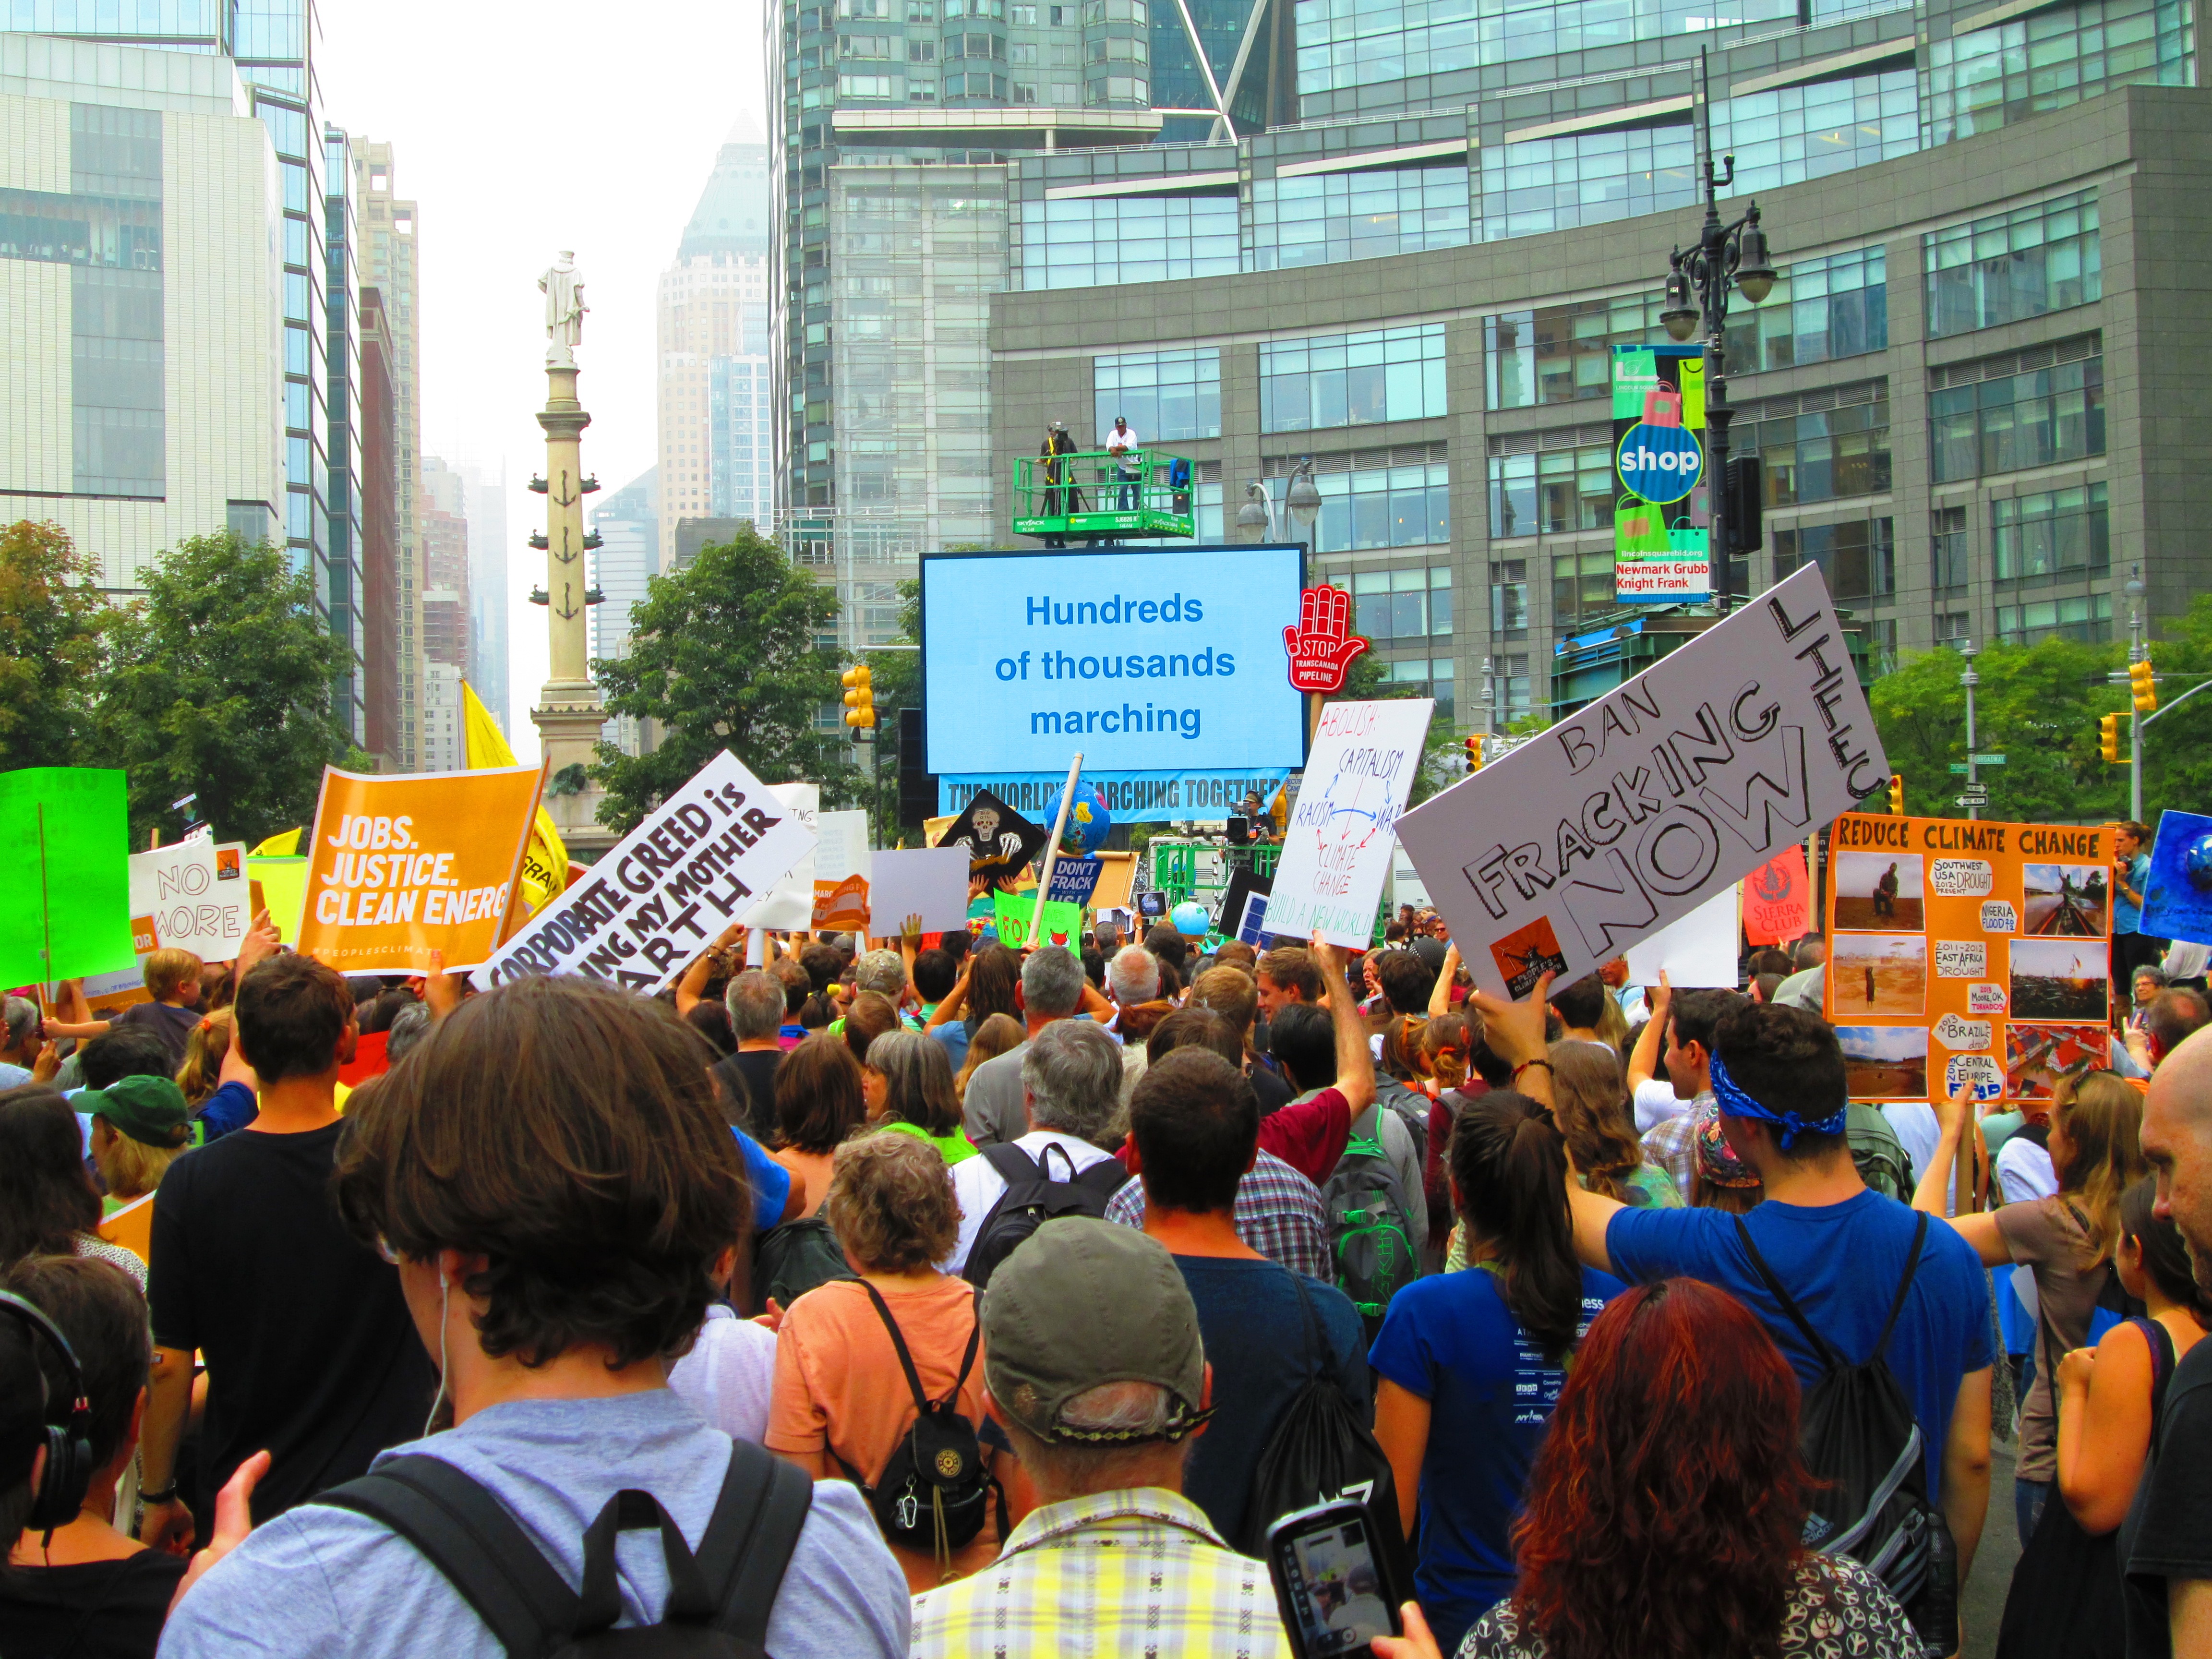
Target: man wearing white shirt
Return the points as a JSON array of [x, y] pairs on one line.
[[1121, 444]]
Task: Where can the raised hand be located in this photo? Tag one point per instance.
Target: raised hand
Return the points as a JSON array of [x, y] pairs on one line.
[[1321, 647]]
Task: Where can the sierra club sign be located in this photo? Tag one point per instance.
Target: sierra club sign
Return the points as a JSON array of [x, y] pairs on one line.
[[1660, 515]]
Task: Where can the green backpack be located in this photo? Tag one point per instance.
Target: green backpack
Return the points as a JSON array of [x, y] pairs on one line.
[[1370, 1238], [1883, 1163]]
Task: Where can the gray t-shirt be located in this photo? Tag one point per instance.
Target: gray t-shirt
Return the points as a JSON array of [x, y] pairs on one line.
[[319, 1581], [992, 1106]]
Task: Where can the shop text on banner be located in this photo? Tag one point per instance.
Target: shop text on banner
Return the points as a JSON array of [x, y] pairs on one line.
[[1636, 809], [1968, 953], [1336, 854], [400, 866], [645, 910]]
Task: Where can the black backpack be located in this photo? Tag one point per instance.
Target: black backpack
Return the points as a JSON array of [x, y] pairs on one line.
[[1032, 1198], [932, 1494], [718, 1600], [794, 1258], [1320, 1451], [1866, 1450]]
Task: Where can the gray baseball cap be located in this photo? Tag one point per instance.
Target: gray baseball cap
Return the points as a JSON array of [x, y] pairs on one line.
[[1082, 1304]]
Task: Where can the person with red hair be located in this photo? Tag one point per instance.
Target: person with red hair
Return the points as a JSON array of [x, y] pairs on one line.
[[1665, 1511]]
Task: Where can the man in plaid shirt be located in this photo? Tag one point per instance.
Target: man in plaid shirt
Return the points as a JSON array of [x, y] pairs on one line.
[[1279, 1214]]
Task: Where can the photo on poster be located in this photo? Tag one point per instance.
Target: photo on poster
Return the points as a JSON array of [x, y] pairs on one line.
[[2037, 1058], [1874, 890], [2177, 895], [1878, 974], [2059, 979], [1885, 1062], [2067, 901]]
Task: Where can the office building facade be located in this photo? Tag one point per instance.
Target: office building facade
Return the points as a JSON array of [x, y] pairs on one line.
[[628, 523], [489, 598], [380, 536], [388, 227]]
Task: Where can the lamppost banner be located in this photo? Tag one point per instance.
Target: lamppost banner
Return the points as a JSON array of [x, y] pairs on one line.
[[1660, 516]]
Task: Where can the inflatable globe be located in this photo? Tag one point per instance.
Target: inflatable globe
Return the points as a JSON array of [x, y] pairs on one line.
[[1190, 918], [2197, 860], [1088, 820]]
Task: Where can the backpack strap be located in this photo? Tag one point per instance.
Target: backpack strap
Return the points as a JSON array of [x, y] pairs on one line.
[[467, 1535], [921, 1401], [600, 1604], [1826, 1355], [1904, 1285], [750, 1536]]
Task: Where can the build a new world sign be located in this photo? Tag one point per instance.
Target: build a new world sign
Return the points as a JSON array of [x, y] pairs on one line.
[[1659, 513]]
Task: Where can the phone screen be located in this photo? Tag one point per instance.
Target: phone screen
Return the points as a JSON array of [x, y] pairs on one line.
[[1152, 904], [1335, 1589]]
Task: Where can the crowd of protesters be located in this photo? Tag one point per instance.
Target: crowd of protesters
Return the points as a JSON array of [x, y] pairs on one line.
[[939, 1298]]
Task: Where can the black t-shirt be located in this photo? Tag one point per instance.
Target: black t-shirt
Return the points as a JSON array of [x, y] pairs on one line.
[[311, 1354], [748, 1084], [97, 1610], [1272, 1087], [173, 1025], [2168, 1531]]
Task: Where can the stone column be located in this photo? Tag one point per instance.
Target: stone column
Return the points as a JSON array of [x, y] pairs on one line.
[[569, 714]]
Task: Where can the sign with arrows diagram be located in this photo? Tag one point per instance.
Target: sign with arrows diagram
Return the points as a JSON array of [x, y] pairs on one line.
[[1336, 851]]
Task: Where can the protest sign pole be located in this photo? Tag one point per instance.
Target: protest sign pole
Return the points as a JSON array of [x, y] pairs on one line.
[[1052, 844], [509, 919], [46, 905]]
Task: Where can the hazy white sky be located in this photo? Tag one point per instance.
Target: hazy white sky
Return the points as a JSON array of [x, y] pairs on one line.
[[518, 131]]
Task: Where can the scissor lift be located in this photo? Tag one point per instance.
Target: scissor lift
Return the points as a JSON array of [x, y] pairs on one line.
[[1091, 495]]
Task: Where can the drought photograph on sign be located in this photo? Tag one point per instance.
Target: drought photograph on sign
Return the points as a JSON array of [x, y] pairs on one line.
[[2038, 1058], [1885, 1062], [2059, 979], [1879, 974], [2065, 901], [1876, 890]]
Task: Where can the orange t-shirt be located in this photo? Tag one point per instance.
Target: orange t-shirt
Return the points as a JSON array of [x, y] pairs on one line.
[[839, 1387]]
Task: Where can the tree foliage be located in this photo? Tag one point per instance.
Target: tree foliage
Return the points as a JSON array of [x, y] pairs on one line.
[[219, 684], [724, 654], [52, 618]]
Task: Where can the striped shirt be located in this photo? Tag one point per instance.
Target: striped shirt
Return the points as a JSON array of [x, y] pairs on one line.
[[1279, 1214], [1134, 1572]]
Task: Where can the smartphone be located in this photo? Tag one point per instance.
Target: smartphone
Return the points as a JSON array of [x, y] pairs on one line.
[[1331, 1583], [1152, 904]]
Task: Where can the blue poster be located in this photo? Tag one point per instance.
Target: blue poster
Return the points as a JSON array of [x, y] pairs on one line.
[[1074, 880], [2178, 897]]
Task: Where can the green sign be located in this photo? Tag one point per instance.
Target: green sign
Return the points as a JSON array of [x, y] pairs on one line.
[[1958, 769], [1989, 760], [68, 913], [1063, 922]]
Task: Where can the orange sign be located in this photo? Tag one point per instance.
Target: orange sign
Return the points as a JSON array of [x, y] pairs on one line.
[[1778, 907], [842, 904], [401, 866]]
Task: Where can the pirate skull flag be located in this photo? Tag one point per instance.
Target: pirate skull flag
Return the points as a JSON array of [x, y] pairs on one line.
[[999, 841]]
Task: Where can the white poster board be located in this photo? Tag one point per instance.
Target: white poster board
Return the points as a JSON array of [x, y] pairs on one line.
[[789, 905], [639, 916], [1337, 850], [1698, 951], [843, 850], [196, 897], [930, 882], [1630, 813]]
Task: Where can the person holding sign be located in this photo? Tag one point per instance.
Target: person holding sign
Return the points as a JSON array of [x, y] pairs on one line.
[[172, 980]]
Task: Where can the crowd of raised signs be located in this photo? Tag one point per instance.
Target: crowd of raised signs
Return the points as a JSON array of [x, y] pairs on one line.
[[923, 1296]]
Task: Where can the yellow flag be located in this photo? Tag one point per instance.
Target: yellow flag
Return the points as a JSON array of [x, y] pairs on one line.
[[283, 846], [545, 865]]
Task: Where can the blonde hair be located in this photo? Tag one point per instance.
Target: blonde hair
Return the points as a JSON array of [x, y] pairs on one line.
[[130, 1168], [203, 1055], [2102, 1118], [999, 1035], [168, 972]]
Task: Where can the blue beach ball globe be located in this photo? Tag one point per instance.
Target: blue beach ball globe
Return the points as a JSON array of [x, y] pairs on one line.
[[1088, 820], [2197, 861], [1190, 918]]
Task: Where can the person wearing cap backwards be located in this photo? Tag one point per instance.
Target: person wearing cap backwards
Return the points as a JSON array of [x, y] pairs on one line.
[[139, 1127], [1094, 1368]]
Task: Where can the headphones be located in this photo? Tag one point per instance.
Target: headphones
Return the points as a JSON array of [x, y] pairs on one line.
[[69, 1471]]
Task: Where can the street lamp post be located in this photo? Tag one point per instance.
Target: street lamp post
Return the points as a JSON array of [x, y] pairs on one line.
[[2134, 591], [1698, 283], [1262, 518], [1970, 679]]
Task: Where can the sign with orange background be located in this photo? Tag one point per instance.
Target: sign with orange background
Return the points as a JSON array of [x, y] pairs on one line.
[[1968, 951], [400, 866]]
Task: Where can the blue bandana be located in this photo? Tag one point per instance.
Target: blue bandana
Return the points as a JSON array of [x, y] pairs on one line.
[[1732, 1098]]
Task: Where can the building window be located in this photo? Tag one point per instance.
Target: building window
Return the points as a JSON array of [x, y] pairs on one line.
[[1421, 676], [864, 46], [1581, 586], [2023, 263], [1508, 595], [1993, 77], [2085, 618], [1167, 396], [1402, 606], [864, 86], [1086, 243], [1820, 446], [1564, 354], [1953, 627], [1512, 496], [2021, 415], [1586, 178], [1384, 507], [1558, 492], [1820, 309], [1326, 218], [1352, 379], [2051, 533], [1950, 545], [1511, 689], [1795, 133], [1858, 560]]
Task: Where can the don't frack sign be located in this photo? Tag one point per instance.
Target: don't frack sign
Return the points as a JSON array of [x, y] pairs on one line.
[[643, 911]]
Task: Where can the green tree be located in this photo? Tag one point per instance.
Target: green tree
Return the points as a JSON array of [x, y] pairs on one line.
[[726, 655], [52, 618], [219, 684]]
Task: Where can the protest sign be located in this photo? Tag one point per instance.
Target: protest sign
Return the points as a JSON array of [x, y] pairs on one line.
[[1989, 941], [546, 861], [1063, 923], [282, 884], [2178, 894], [1635, 810], [1074, 880], [999, 841], [1117, 876], [398, 868], [841, 872], [929, 881], [1336, 854], [68, 911], [645, 908], [189, 896], [789, 905], [841, 906], [1778, 900], [1697, 951]]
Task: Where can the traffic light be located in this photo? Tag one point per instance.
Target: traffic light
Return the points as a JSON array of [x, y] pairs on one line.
[[859, 696], [2110, 729], [1897, 795], [2145, 687], [1473, 753]]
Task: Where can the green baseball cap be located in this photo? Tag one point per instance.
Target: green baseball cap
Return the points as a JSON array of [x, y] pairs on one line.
[[151, 1110], [1082, 1304]]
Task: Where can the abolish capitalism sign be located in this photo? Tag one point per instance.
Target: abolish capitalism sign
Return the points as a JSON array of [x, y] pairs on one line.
[[651, 905], [1628, 814]]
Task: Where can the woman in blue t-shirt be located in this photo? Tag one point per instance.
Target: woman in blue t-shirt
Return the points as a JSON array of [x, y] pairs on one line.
[[1483, 1353]]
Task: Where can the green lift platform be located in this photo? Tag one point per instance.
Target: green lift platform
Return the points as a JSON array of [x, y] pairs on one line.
[[1093, 495]]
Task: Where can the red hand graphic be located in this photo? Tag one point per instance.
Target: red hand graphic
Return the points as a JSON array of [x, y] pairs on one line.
[[1319, 649]]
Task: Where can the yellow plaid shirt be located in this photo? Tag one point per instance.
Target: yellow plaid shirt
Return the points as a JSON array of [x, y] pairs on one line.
[[1115, 1576]]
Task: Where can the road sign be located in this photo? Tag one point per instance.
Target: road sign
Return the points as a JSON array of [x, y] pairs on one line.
[[1976, 795], [1958, 769], [1989, 760]]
